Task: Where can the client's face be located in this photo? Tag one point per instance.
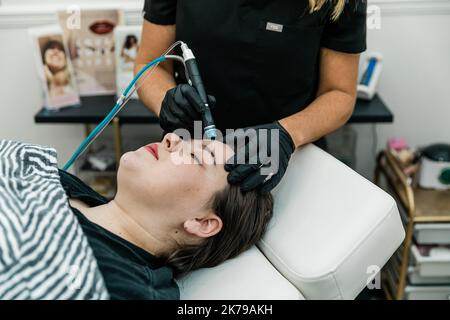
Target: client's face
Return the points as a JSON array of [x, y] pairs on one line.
[[176, 176]]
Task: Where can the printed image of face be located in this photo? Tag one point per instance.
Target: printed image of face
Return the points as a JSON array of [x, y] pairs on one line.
[[55, 59]]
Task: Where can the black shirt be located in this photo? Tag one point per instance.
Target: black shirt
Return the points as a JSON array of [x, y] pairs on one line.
[[260, 58], [129, 271]]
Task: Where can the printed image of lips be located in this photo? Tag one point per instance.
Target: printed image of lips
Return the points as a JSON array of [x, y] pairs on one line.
[[102, 27]]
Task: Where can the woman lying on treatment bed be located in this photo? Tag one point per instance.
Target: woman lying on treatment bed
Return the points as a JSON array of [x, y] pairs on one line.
[[174, 212]]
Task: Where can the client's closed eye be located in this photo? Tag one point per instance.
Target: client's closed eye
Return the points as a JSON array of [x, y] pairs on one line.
[[193, 156]]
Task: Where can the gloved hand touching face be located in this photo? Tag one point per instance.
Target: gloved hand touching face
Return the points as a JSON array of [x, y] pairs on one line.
[[180, 107], [261, 158]]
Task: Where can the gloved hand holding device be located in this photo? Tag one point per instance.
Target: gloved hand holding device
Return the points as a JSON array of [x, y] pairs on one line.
[[182, 106], [266, 155]]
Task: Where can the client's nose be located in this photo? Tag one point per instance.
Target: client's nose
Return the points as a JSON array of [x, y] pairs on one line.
[[171, 142]]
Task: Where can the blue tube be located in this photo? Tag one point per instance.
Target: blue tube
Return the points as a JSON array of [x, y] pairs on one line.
[[110, 115]]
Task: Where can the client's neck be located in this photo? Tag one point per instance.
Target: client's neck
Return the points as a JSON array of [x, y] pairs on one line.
[[154, 237]]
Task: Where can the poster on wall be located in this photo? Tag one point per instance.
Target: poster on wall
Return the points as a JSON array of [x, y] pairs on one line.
[[54, 67], [127, 40], [90, 38]]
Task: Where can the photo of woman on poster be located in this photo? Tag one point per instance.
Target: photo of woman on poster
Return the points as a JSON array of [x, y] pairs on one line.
[[127, 42], [129, 51], [54, 67], [57, 75]]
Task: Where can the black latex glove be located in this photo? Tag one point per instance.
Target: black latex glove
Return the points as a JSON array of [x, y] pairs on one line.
[[263, 167], [181, 107]]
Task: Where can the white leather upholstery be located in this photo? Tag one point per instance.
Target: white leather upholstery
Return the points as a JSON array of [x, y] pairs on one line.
[[249, 276], [330, 227]]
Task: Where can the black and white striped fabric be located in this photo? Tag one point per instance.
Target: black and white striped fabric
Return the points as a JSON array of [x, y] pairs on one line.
[[43, 251]]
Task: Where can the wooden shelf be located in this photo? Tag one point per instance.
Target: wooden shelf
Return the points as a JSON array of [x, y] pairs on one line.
[[432, 205], [421, 205]]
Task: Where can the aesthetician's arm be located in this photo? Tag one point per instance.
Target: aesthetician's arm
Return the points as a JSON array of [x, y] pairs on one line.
[[155, 40], [335, 99]]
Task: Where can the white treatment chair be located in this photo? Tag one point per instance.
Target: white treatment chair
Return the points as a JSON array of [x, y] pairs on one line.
[[332, 230]]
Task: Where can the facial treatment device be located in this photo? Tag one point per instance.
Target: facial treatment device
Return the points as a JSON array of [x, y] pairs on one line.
[[194, 79]]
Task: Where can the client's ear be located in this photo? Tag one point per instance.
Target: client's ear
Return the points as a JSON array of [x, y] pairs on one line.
[[205, 227]]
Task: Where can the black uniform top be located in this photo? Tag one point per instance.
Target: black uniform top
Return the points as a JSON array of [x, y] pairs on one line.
[[259, 58], [129, 271]]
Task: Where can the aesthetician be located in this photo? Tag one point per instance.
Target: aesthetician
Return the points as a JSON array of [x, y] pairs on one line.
[[290, 65]]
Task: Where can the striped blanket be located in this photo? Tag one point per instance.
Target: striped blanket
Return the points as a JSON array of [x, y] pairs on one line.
[[43, 251]]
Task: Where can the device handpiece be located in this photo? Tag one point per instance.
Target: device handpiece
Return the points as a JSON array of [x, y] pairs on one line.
[[197, 83]]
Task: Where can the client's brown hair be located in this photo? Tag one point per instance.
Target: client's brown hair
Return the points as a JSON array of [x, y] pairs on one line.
[[245, 217]]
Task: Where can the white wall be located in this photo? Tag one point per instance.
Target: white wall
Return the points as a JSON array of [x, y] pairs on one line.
[[415, 82], [414, 39]]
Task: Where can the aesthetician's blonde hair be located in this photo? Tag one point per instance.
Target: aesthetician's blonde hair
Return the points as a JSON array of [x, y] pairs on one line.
[[318, 4]]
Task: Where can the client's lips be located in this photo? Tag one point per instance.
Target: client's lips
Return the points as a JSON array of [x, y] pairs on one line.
[[153, 149]]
